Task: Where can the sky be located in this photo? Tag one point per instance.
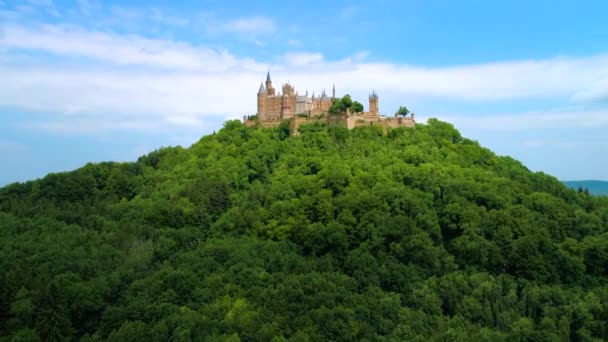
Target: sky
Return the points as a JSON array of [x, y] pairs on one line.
[[90, 80]]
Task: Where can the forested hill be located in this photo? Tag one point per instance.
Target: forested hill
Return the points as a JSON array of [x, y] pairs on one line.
[[252, 235]]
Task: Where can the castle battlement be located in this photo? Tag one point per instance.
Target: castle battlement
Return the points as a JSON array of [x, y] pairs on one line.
[[275, 107]]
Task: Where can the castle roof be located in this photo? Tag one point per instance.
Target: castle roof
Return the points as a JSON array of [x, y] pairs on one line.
[[268, 77], [262, 89]]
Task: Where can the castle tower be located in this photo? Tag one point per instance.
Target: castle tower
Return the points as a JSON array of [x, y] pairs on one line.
[[262, 101], [288, 101], [333, 91], [373, 103], [288, 89], [269, 88]]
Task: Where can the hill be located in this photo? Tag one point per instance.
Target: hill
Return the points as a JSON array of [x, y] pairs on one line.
[[252, 235], [595, 187]]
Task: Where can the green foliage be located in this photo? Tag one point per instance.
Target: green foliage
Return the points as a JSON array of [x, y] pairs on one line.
[[283, 130], [357, 107], [252, 235], [340, 105], [403, 111]]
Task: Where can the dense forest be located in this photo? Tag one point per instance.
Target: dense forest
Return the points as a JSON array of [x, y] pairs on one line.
[[253, 235]]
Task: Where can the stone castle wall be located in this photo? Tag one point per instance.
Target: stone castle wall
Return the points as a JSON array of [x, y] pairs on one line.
[[282, 106]]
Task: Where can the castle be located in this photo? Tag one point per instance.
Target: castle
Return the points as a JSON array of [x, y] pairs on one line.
[[275, 107]]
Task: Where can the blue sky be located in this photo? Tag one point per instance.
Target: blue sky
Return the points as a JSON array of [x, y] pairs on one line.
[[93, 80]]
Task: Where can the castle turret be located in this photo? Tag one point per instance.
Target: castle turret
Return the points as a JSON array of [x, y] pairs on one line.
[[288, 89], [373, 103], [262, 101]]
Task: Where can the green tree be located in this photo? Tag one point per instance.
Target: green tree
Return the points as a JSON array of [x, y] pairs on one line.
[[22, 308], [336, 234], [52, 321], [340, 105], [403, 111]]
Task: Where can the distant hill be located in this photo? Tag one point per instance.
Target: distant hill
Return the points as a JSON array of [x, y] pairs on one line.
[[333, 235], [595, 187]]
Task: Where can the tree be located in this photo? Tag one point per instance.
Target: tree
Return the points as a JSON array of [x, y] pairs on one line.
[[22, 308], [53, 322], [337, 107], [337, 234], [342, 104], [403, 111]]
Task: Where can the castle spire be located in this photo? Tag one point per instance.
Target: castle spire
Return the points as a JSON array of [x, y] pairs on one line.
[[333, 91], [269, 88], [262, 89]]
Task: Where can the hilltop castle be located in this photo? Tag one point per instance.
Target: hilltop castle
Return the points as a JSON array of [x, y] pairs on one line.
[[275, 107]]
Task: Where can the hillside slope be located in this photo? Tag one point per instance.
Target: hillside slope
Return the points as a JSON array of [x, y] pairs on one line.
[[595, 187], [332, 235]]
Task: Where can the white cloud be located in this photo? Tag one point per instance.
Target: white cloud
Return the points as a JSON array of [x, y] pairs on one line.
[[160, 17], [303, 58], [90, 126], [595, 92], [132, 81], [122, 50], [101, 93], [127, 13], [250, 26], [576, 118], [492, 81], [183, 120]]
